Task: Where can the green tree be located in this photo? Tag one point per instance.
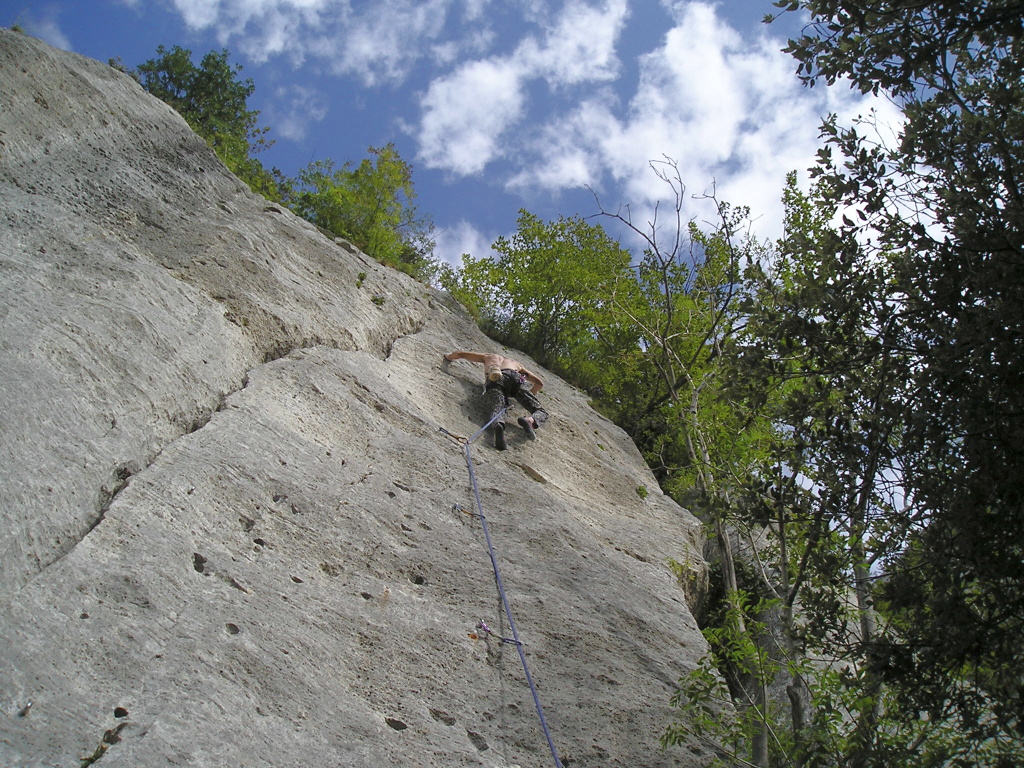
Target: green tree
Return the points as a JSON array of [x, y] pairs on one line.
[[701, 446], [547, 291], [684, 311], [947, 199], [213, 100], [373, 205], [823, 358], [820, 353]]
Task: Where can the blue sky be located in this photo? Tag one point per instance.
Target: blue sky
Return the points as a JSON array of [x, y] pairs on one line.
[[500, 104]]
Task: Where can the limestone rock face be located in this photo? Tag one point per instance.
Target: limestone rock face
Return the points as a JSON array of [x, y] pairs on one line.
[[232, 532]]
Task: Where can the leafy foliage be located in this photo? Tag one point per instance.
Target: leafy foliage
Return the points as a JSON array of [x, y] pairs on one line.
[[687, 312], [549, 291], [814, 360], [213, 100], [709, 703], [371, 204], [824, 356], [946, 202], [880, 352]]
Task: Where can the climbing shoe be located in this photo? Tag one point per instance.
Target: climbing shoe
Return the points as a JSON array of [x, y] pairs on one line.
[[527, 428], [499, 437]]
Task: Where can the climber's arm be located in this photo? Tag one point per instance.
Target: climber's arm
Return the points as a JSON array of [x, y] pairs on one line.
[[473, 357], [533, 379]]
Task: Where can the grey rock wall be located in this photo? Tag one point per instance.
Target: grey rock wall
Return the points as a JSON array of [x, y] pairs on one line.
[[231, 530]]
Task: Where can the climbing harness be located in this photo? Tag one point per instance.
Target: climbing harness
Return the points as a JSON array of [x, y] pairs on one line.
[[514, 640], [508, 381]]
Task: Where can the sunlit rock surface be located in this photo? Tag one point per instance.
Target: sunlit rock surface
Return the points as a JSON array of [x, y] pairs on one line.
[[232, 532]]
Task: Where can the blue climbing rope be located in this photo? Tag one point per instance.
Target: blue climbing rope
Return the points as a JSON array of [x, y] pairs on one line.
[[514, 640]]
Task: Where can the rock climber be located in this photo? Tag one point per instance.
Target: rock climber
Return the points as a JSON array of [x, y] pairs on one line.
[[506, 378]]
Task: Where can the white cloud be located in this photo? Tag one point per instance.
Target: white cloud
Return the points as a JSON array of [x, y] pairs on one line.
[[262, 29], [461, 238], [466, 113], [579, 46], [293, 109], [474, 9], [552, 106], [569, 152], [46, 26], [473, 43], [378, 41], [729, 111], [199, 14], [384, 42]]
